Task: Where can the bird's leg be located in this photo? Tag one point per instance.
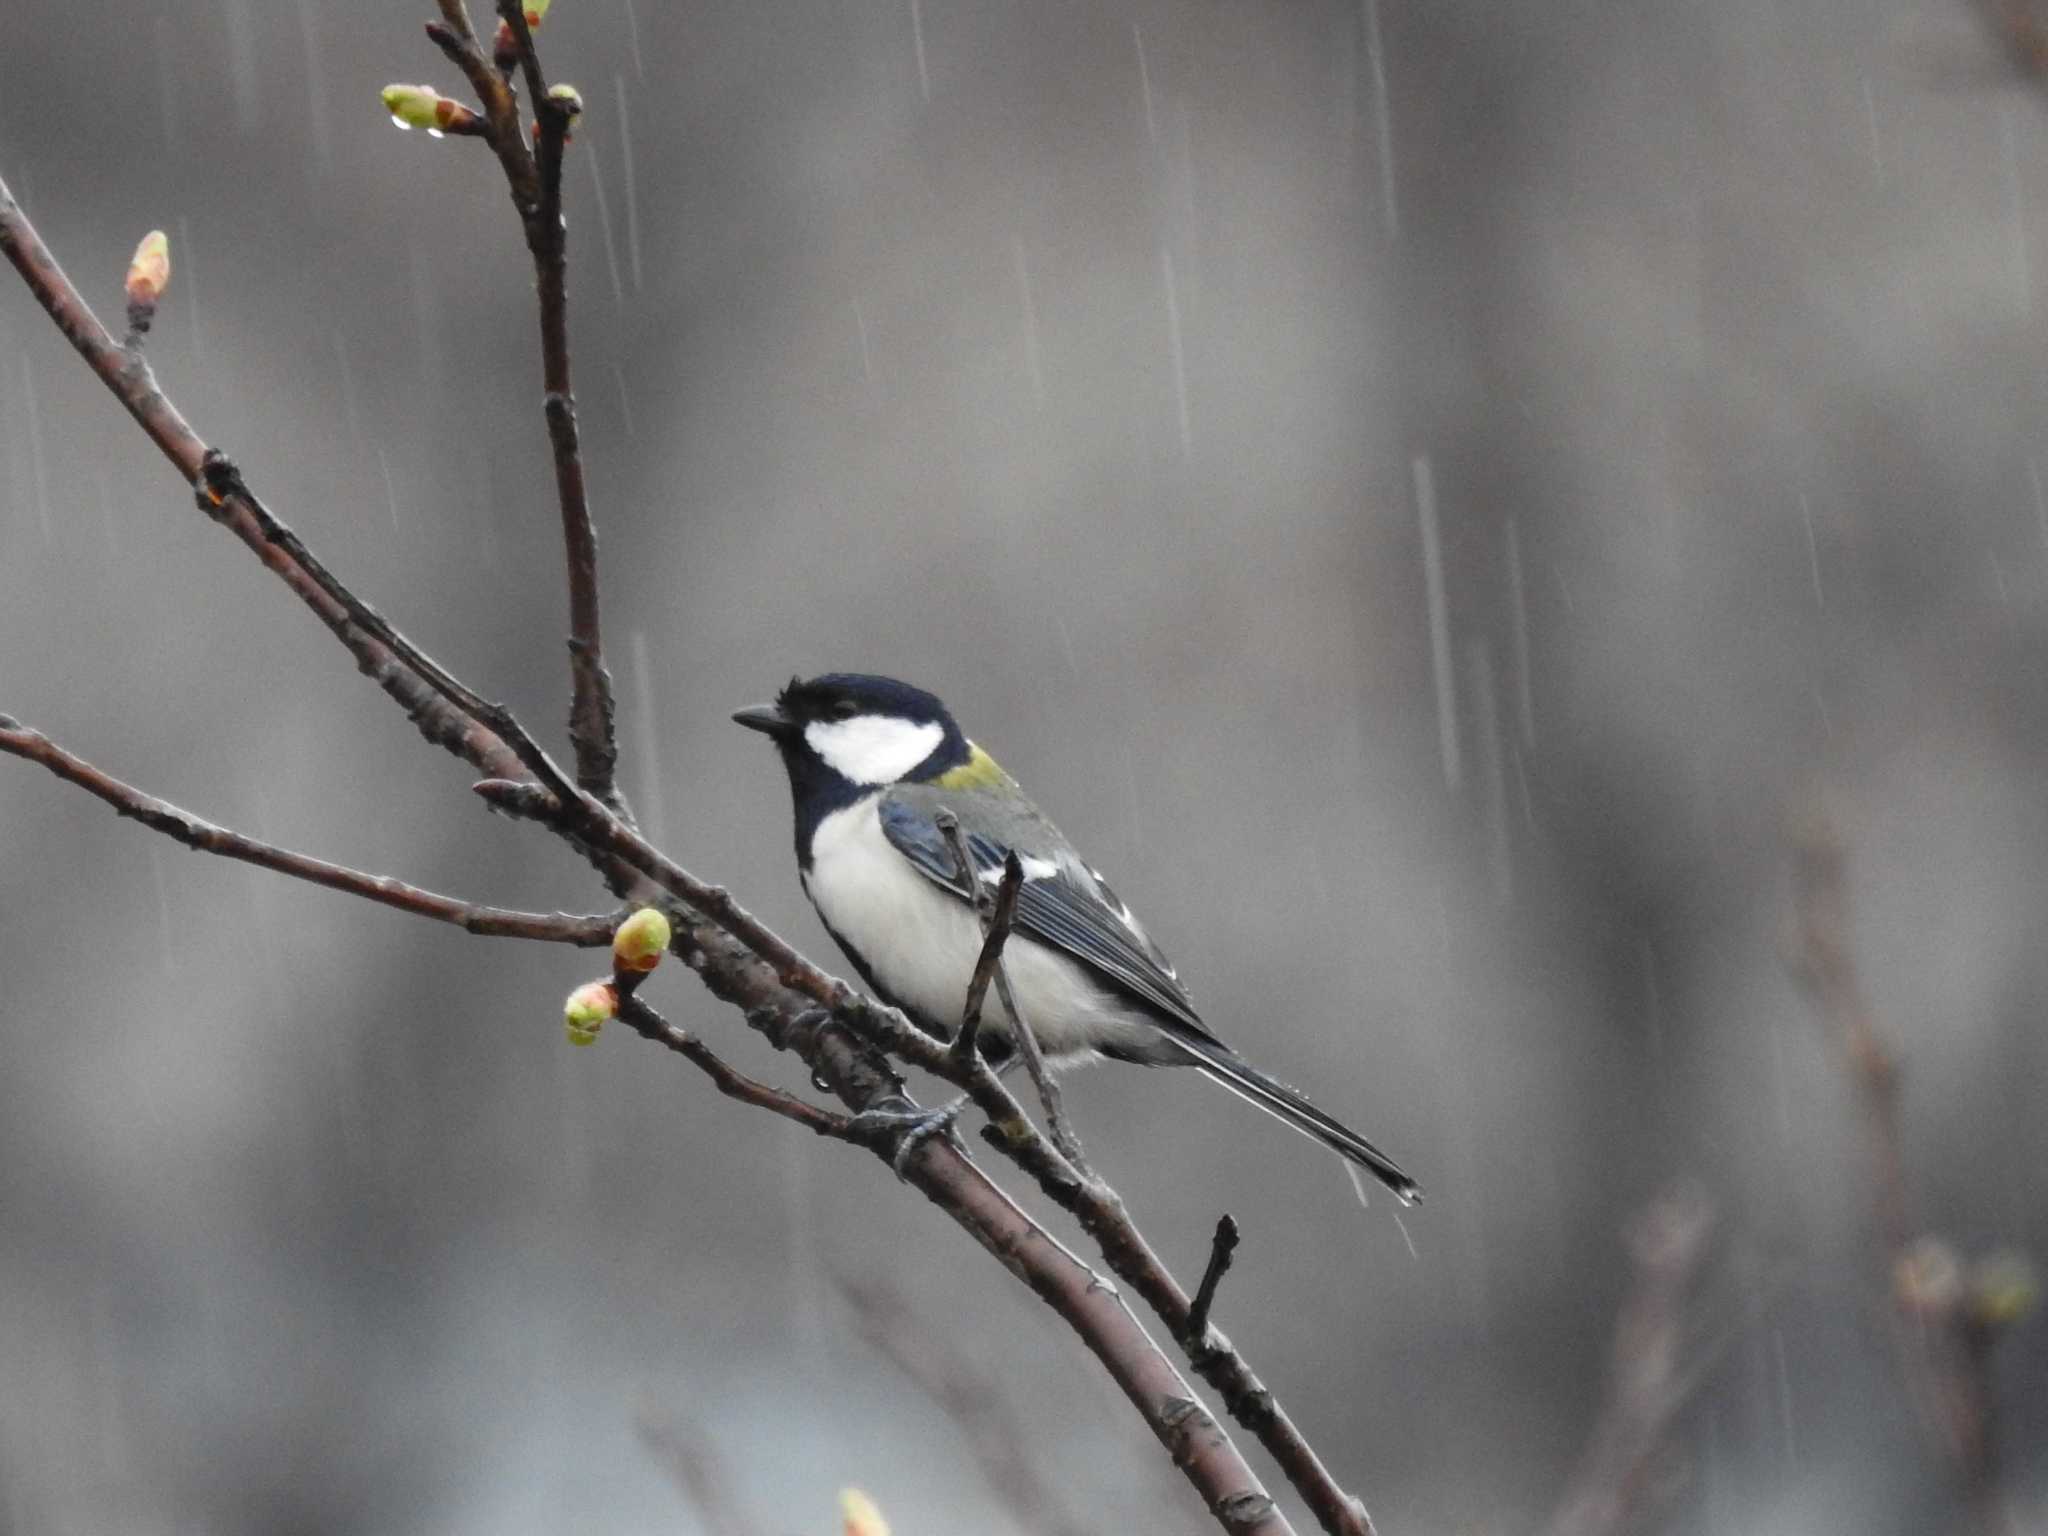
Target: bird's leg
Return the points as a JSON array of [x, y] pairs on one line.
[[906, 1127]]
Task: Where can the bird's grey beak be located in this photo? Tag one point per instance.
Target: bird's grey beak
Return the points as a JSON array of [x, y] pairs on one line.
[[765, 718]]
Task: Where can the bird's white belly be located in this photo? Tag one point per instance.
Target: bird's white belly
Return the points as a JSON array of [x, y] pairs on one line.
[[921, 942]]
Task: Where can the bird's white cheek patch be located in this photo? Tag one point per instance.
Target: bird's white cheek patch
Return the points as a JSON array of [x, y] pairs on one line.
[[873, 749]]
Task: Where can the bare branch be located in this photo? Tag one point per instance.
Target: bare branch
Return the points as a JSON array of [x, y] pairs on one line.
[[1942, 1343], [728, 1080], [1649, 1379], [536, 182], [589, 932], [747, 963], [1221, 1248], [695, 1467], [456, 38], [1001, 916], [131, 382], [1020, 1028]]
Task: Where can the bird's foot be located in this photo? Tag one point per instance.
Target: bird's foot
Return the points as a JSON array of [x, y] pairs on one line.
[[907, 1128]]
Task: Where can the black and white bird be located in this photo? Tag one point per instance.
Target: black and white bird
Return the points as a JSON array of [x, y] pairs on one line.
[[872, 762]]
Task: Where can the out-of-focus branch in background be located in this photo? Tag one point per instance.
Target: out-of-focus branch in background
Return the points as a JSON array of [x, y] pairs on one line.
[[1944, 1317]]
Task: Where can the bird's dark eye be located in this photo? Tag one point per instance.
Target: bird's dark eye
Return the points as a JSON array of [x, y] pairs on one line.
[[843, 709]]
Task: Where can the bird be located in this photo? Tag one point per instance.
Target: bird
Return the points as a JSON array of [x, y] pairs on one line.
[[873, 765]]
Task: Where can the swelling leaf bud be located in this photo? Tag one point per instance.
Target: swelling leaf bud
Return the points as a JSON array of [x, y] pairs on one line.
[[860, 1514], [149, 274], [421, 106], [640, 941], [587, 1010]]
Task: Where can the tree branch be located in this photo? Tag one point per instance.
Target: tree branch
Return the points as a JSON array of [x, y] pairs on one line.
[[357, 626], [1020, 1028], [1648, 1380], [747, 963], [1221, 1249], [997, 934], [592, 724], [588, 932], [1940, 1334]]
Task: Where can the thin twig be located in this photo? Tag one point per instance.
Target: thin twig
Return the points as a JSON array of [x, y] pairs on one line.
[[592, 724], [727, 1079], [1942, 1345], [972, 1398], [1221, 1248], [1001, 916], [456, 38], [1021, 1036], [195, 832], [222, 487], [694, 1465], [1649, 1376]]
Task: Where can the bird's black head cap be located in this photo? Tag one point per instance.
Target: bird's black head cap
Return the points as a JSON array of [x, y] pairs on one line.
[[915, 738]]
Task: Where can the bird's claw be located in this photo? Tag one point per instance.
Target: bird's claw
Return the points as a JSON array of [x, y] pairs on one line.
[[910, 1128]]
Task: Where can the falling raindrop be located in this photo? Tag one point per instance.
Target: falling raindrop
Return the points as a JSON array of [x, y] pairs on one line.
[[1784, 1385], [867, 360], [166, 83], [2040, 502], [1518, 610], [1145, 84], [163, 908], [188, 283], [390, 492], [2022, 266], [1180, 366], [315, 112], [107, 509], [1820, 600], [1439, 619], [625, 397], [1031, 363], [646, 728], [241, 30], [632, 197], [1870, 127], [348, 387], [633, 41], [1383, 115], [924, 78], [1492, 769], [604, 224], [39, 473]]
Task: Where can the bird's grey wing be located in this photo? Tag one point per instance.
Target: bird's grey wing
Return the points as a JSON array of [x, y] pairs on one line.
[[1063, 903]]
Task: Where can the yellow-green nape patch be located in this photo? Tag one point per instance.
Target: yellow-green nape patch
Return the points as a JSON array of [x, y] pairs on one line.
[[980, 771]]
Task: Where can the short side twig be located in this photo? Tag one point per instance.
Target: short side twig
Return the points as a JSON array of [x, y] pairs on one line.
[[1650, 1376], [695, 1467], [1001, 916], [197, 833], [1942, 1345], [1021, 1036], [1222, 1247], [728, 1079]]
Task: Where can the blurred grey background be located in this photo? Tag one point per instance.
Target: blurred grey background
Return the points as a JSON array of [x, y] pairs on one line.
[[1088, 363]]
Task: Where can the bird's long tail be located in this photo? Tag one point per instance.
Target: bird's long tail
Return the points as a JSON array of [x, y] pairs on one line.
[[1222, 1065]]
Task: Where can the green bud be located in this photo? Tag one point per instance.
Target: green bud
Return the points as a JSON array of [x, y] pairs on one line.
[[588, 1009]]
